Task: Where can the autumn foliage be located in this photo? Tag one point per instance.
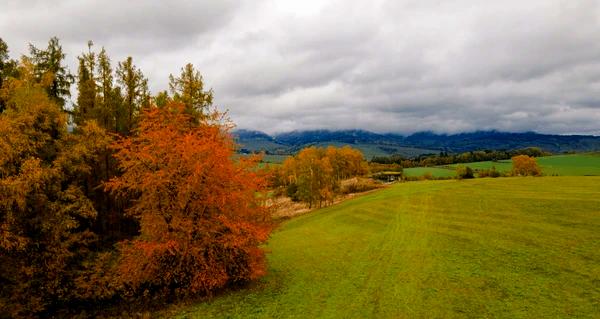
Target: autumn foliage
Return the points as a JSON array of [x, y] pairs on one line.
[[45, 215], [201, 214], [119, 199], [314, 174], [523, 165]]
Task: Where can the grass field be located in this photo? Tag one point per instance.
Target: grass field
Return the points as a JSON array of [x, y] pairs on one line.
[[562, 165], [503, 248], [435, 171]]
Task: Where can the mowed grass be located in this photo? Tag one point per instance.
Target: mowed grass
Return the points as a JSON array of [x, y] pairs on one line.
[[502, 248], [562, 165], [434, 171]]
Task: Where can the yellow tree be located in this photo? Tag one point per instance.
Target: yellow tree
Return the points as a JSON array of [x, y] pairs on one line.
[[523, 165], [45, 215]]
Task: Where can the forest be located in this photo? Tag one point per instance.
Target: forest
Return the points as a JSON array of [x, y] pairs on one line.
[[123, 196]]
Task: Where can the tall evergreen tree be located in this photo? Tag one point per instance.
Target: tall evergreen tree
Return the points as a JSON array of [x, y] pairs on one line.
[[109, 97], [8, 68], [188, 89], [134, 87], [86, 85], [49, 63]]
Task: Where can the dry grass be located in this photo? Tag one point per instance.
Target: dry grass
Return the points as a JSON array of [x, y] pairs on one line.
[[351, 188]]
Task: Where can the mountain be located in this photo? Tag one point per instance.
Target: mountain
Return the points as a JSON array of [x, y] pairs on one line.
[[495, 140], [375, 144]]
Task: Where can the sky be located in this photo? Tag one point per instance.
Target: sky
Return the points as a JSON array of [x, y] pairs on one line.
[[382, 66]]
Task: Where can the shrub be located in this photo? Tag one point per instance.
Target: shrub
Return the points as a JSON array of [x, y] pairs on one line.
[[464, 172], [358, 185], [492, 172], [523, 165], [292, 192]]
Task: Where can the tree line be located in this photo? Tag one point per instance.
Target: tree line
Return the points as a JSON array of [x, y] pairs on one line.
[[122, 196], [444, 158]]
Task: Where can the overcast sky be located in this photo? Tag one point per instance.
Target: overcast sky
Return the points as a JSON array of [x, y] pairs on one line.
[[384, 66]]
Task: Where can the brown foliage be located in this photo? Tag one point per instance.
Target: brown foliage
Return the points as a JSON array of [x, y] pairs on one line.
[[202, 214], [44, 213]]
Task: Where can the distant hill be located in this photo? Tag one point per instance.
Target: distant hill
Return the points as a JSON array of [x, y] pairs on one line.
[[374, 144]]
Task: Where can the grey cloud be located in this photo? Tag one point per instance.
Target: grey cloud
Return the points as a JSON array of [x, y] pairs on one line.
[[134, 26], [395, 66]]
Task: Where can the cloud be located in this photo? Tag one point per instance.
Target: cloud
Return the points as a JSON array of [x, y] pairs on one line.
[[386, 66]]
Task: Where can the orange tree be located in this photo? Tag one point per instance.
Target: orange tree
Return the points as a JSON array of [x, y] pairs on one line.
[[523, 165], [202, 213]]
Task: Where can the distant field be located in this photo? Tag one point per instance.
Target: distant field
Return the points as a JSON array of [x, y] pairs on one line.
[[501, 248], [562, 165], [435, 171], [586, 164]]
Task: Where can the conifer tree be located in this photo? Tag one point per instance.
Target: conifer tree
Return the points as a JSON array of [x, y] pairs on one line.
[[49, 63], [109, 96], [188, 89], [8, 68], [134, 87], [86, 85]]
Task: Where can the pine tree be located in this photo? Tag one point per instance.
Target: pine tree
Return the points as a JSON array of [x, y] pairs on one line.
[[8, 68], [188, 89], [134, 87], [49, 63], [109, 97], [86, 85]]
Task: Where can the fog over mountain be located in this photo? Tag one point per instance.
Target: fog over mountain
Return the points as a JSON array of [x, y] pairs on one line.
[[382, 66]]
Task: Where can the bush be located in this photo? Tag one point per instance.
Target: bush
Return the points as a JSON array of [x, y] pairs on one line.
[[523, 165], [492, 172], [358, 185], [464, 172], [292, 192]]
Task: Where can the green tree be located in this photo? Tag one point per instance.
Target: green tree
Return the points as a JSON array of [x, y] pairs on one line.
[[162, 99], [134, 87], [49, 63], [109, 95], [464, 172], [8, 68], [188, 89], [86, 86]]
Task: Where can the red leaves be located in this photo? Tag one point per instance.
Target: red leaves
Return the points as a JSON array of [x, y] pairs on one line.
[[201, 221]]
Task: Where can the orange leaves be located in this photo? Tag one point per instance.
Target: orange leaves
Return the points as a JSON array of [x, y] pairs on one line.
[[200, 217], [524, 165]]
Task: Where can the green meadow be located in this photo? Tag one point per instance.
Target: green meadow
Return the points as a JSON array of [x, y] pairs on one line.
[[561, 165], [434, 171], [501, 248]]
